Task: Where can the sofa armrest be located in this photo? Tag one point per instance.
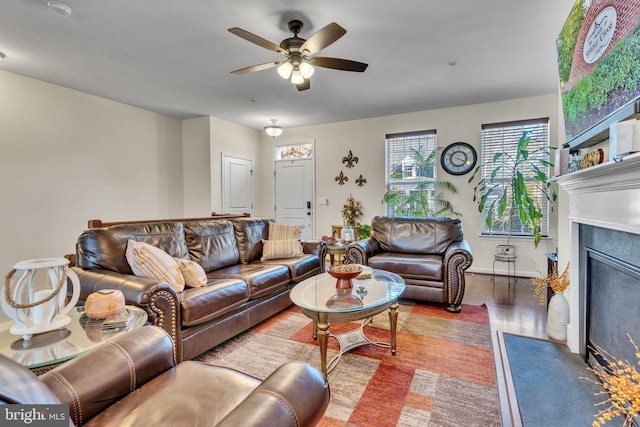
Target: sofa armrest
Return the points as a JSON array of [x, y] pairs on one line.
[[159, 300], [296, 394], [316, 247], [359, 251], [99, 378], [457, 259]]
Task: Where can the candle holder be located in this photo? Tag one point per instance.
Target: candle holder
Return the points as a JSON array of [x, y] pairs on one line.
[[34, 295]]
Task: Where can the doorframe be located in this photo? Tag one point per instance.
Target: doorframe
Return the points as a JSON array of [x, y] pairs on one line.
[[311, 141], [224, 179]]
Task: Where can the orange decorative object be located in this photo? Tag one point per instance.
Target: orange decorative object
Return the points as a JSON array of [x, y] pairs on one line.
[[104, 303]]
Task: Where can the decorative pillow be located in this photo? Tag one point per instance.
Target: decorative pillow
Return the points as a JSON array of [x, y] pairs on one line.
[[148, 261], [275, 249], [193, 273], [284, 231]]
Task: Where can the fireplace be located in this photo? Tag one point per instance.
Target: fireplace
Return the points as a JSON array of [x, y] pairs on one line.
[[604, 236], [610, 278]]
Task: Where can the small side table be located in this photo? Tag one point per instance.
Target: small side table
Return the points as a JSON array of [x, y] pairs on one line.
[[336, 249], [509, 259]]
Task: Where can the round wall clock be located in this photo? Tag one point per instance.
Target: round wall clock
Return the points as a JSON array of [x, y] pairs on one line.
[[458, 158]]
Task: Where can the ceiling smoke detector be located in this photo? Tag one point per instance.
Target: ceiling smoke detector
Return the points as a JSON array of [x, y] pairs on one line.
[[59, 8]]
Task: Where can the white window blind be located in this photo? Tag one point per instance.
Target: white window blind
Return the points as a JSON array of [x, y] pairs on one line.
[[405, 170], [504, 137]]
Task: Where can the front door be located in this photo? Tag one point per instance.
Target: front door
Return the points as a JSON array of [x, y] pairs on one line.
[[294, 194]]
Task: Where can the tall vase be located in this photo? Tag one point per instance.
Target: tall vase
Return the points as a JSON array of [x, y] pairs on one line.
[[558, 317]]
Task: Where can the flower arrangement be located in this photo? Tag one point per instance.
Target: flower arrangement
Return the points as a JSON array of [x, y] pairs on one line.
[[621, 384], [555, 282], [352, 211]]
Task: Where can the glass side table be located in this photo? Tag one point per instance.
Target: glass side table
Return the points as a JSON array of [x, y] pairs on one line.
[[47, 350]]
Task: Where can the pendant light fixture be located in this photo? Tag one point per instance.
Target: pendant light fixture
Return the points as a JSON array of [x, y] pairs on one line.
[[272, 130]]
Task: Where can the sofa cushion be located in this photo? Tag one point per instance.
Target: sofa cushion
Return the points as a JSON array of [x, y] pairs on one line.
[[148, 261], [249, 233], [300, 267], [220, 296], [409, 266], [284, 231], [276, 249], [416, 235], [212, 244], [261, 279], [105, 247], [194, 275]]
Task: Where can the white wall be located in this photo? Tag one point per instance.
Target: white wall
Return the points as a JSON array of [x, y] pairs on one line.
[[66, 157], [196, 167], [365, 138], [232, 139]]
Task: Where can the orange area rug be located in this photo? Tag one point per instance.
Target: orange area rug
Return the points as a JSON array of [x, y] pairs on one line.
[[442, 375]]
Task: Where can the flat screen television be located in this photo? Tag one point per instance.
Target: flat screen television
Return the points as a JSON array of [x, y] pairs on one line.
[[599, 68]]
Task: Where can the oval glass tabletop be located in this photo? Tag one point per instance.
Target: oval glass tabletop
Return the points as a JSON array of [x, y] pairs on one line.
[[319, 293]]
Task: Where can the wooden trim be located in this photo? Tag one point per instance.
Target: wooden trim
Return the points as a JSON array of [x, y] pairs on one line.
[[94, 223]]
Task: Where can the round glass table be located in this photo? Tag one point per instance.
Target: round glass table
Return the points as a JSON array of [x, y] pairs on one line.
[[46, 350], [321, 301]]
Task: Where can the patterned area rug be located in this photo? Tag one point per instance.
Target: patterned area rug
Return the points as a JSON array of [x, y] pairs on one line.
[[442, 375]]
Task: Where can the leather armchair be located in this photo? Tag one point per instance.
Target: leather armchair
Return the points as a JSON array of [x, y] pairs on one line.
[[134, 380], [430, 254]]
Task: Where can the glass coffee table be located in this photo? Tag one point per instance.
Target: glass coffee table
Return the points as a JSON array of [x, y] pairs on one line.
[[320, 301], [46, 350]]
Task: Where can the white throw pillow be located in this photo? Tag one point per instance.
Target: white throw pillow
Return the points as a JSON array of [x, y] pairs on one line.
[[276, 249], [193, 273], [284, 231], [148, 261]]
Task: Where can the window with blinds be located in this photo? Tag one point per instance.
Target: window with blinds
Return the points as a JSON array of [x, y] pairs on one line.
[[504, 137], [410, 166]]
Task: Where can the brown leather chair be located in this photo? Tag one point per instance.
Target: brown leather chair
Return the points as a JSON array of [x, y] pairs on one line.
[[430, 254], [134, 380]]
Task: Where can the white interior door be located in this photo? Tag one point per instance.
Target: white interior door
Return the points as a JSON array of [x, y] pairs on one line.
[[237, 185], [294, 194]]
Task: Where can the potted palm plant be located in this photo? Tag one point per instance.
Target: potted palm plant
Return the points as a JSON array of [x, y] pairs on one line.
[[509, 191], [427, 197]]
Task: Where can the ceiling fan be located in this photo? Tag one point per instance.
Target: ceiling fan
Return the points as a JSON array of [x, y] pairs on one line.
[[299, 63]]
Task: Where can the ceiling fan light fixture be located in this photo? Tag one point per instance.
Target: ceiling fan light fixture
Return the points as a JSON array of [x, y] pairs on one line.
[[306, 70], [285, 70], [296, 77], [272, 130]]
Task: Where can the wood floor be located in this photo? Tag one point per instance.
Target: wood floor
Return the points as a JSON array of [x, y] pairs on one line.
[[512, 309]]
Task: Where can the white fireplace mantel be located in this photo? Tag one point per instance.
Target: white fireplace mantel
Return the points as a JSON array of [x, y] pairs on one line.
[[607, 196]]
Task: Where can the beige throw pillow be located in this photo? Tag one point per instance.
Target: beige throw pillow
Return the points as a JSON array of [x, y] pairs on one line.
[[193, 273], [275, 249], [284, 231], [148, 261]]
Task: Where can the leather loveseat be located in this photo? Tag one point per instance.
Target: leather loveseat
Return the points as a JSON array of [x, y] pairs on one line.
[[134, 380], [241, 290], [430, 254]]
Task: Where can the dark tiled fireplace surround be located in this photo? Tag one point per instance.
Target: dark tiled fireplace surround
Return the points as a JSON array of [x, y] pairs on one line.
[[604, 217]]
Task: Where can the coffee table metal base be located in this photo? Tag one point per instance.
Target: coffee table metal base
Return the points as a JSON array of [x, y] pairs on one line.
[[350, 340]]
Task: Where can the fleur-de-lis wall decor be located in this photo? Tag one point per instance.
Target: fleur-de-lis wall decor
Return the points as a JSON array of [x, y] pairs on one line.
[[341, 179], [350, 160], [361, 181]]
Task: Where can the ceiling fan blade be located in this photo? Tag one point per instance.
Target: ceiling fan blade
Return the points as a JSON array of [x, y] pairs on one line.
[[338, 64], [304, 85], [257, 40], [258, 67], [323, 38]]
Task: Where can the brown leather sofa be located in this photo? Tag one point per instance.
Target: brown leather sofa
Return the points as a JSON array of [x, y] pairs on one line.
[[134, 380], [430, 254], [241, 289]]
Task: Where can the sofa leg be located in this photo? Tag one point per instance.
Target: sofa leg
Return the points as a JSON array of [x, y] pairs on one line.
[[452, 308]]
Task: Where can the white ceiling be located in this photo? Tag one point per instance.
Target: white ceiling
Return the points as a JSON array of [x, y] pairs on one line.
[[175, 57]]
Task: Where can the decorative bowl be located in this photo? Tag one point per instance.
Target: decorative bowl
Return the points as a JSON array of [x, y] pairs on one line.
[[344, 273]]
